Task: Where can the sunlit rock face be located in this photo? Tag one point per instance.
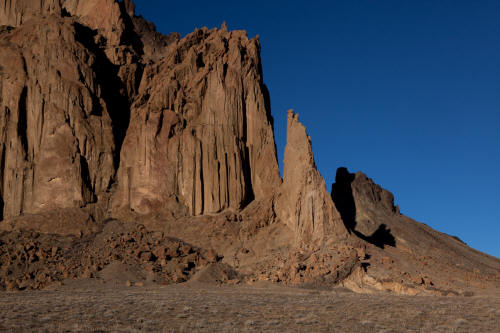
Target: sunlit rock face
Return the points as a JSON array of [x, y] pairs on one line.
[[200, 130], [304, 204], [98, 104], [56, 138]]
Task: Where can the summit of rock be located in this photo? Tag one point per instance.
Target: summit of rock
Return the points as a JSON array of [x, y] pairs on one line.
[[304, 204]]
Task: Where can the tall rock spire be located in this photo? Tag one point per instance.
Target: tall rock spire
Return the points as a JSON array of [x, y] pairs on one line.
[[303, 203]]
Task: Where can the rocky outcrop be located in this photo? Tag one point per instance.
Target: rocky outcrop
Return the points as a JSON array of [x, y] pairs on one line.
[[195, 124], [103, 15], [200, 131], [367, 193], [304, 204], [154, 44], [16, 12], [56, 138], [403, 255], [355, 194], [102, 116], [32, 261]]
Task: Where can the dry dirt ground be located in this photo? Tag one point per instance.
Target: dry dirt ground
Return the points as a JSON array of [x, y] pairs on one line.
[[96, 307]]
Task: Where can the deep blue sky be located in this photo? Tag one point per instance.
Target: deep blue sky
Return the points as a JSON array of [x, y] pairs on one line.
[[406, 91]]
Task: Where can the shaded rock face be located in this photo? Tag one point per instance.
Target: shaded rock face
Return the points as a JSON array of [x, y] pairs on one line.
[[103, 15], [304, 204], [16, 12], [355, 195], [200, 131], [366, 192], [154, 44], [401, 254]]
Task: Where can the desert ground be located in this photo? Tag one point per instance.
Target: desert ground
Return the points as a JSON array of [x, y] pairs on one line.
[[94, 306]]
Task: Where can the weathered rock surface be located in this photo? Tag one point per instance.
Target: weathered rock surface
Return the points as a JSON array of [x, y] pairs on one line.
[[196, 128], [56, 138], [304, 204], [29, 260], [16, 12], [68, 73], [154, 44], [102, 116], [103, 15], [200, 131], [351, 191], [401, 254]]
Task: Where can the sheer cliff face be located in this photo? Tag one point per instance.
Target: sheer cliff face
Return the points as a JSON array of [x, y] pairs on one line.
[[304, 204], [104, 15], [87, 102], [56, 136], [200, 130], [16, 12], [63, 100]]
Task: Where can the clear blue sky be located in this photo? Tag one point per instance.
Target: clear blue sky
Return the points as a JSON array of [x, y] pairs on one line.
[[406, 91]]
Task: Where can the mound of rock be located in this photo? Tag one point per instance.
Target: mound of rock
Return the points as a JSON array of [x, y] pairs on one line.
[[30, 260]]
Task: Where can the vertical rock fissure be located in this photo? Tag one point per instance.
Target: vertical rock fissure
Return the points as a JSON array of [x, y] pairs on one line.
[[227, 179], [247, 174], [244, 112], [112, 89], [202, 185], [129, 189], [87, 188], [41, 123], [22, 122], [193, 195], [218, 184], [2, 179], [313, 211], [249, 195]]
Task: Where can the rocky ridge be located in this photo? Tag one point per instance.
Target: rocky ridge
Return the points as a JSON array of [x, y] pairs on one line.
[[120, 142]]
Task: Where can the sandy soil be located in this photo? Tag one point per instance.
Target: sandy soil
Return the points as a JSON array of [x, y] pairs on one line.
[[104, 307]]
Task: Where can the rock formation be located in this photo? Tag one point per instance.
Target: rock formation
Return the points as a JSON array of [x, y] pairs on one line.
[[126, 145], [351, 191], [203, 141], [57, 137], [16, 12], [304, 204], [401, 254], [200, 131]]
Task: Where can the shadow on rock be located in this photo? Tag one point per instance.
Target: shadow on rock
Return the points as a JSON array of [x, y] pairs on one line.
[[342, 196]]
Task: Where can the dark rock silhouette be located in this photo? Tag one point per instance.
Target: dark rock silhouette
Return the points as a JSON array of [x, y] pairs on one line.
[[343, 199], [342, 195], [382, 237]]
